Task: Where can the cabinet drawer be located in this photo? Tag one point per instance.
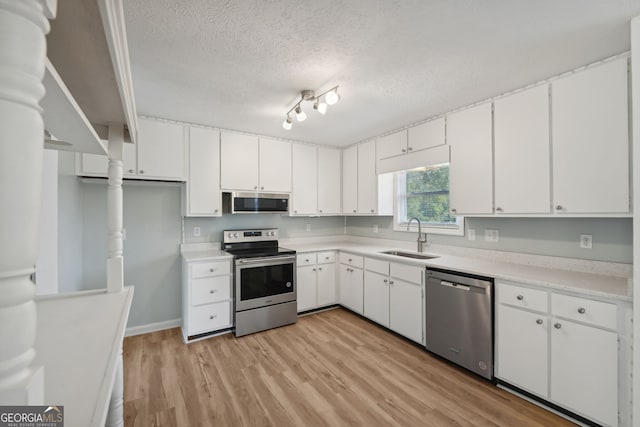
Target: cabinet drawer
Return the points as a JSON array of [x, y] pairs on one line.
[[210, 289], [209, 268], [326, 257], [377, 266], [407, 273], [209, 317], [351, 259], [306, 259], [533, 299], [598, 313]]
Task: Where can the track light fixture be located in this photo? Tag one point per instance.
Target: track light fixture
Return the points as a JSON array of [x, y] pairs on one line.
[[320, 104]]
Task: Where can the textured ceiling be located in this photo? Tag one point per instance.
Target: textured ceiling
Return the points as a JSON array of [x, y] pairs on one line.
[[241, 64]]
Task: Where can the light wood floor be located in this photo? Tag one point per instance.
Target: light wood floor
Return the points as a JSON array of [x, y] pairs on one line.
[[332, 368]]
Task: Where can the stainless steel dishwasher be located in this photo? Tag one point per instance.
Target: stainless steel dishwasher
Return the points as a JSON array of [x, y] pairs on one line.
[[459, 319]]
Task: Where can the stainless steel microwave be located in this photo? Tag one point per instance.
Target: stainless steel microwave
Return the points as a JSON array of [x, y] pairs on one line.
[[247, 202]]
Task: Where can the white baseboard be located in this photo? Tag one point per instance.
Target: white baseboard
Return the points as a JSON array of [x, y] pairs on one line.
[[152, 327]]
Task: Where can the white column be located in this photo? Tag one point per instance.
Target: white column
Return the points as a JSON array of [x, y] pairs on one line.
[[115, 272], [23, 25], [635, 149]]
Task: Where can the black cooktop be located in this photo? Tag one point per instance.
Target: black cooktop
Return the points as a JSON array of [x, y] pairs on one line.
[[259, 252]]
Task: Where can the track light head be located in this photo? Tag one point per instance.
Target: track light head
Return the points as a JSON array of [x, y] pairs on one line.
[[320, 107], [287, 124], [332, 97], [300, 115]]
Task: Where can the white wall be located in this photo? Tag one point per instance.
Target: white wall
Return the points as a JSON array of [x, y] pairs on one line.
[[47, 262], [70, 219]]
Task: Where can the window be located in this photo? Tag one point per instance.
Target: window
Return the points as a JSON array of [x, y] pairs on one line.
[[424, 194]]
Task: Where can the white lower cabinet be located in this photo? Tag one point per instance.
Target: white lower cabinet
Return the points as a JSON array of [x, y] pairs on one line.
[[376, 297], [206, 296], [405, 309], [351, 282], [584, 370], [316, 280], [562, 348], [523, 349], [393, 297]]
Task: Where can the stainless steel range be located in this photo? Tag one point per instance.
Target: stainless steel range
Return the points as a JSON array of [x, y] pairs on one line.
[[265, 280]]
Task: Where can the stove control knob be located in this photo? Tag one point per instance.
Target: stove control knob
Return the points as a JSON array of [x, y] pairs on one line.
[[235, 235], [230, 235]]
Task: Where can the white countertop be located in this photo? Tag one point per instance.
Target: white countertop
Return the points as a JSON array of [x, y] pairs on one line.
[[600, 285], [589, 281], [200, 255], [78, 342]]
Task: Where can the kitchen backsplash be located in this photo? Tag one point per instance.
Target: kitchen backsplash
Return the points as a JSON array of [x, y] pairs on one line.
[[612, 237], [290, 227]]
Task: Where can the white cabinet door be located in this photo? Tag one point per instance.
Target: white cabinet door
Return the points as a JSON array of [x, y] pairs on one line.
[[275, 166], [306, 282], [392, 145], [426, 135], [350, 180], [522, 349], [405, 309], [376, 297], [521, 144], [591, 140], [326, 282], [238, 161], [471, 170], [351, 282], [305, 180], [203, 195], [329, 182], [160, 150], [367, 178], [584, 370], [94, 164], [130, 160]]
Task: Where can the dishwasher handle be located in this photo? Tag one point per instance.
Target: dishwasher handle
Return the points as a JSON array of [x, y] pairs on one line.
[[456, 285]]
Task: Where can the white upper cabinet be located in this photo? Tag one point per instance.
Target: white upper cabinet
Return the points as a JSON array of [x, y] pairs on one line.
[[249, 163], [394, 144], [407, 141], [367, 178], [329, 183], [469, 132], [521, 144], [591, 140], [304, 200], [238, 161], [426, 135], [161, 149], [350, 180], [203, 196], [275, 166]]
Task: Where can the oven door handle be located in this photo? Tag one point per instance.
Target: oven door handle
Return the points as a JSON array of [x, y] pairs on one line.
[[270, 260]]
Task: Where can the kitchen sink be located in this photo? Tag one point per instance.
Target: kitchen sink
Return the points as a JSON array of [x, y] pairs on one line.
[[409, 254]]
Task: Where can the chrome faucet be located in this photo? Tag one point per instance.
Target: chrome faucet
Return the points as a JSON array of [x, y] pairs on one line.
[[421, 239]]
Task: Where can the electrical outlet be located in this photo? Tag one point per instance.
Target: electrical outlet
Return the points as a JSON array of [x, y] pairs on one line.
[[471, 234], [375, 228], [491, 236], [308, 228], [196, 231], [586, 241]]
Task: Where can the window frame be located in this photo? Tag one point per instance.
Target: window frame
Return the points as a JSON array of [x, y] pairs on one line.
[[429, 228]]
